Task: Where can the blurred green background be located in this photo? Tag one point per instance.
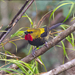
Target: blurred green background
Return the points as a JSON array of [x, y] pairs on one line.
[[8, 9]]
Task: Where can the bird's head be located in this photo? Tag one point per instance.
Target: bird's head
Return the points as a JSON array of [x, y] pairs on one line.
[[28, 35], [32, 33]]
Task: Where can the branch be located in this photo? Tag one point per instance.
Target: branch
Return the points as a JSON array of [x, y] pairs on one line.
[[60, 68], [12, 56], [50, 44], [15, 19], [43, 49]]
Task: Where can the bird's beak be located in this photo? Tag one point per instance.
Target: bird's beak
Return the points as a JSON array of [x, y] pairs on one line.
[[26, 32]]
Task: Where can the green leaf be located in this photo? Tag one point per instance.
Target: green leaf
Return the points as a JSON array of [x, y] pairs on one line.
[[18, 33], [72, 40], [36, 71], [3, 46], [3, 31], [69, 12], [64, 26], [33, 68], [69, 39], [6, 69], [19, 63], [65, 53], [8, 52], [59, 46], [30, 49], [28, 66], [64, 3], [28, 18], [73, 19], [14, 44], [43, 63], [58, 8]]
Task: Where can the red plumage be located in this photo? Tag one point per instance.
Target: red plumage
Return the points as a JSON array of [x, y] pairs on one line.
[[28, 37]]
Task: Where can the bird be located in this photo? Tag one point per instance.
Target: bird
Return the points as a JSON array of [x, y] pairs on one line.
[[37, 36]]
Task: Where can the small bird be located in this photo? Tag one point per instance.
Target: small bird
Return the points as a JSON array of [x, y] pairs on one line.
[[37, 36]]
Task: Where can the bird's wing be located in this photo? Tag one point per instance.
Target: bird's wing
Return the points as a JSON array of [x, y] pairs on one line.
[[44, 34]]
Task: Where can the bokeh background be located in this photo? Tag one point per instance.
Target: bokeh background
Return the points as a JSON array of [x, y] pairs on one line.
[[53, 57]]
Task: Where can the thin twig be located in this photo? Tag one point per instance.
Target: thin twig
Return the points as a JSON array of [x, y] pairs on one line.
[[12, 56], [16, 19], [19, 12], [44, 17]]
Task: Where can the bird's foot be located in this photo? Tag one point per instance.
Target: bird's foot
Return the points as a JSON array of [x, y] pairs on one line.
[[46, 44], [33, 52]]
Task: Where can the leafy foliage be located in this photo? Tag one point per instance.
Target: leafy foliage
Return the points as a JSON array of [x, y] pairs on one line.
[[18, 33], [32, 68]]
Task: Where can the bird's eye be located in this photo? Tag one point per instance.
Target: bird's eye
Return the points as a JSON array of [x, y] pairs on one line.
[[26, 32], [31, 32]]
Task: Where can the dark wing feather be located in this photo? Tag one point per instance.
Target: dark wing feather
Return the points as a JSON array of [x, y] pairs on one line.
[[45, 33]]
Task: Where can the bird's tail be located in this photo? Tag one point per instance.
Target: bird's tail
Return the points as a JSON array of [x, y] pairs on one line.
[[54, 26]]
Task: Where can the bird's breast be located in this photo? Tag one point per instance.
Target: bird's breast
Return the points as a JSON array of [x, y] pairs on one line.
[[37, 42]]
